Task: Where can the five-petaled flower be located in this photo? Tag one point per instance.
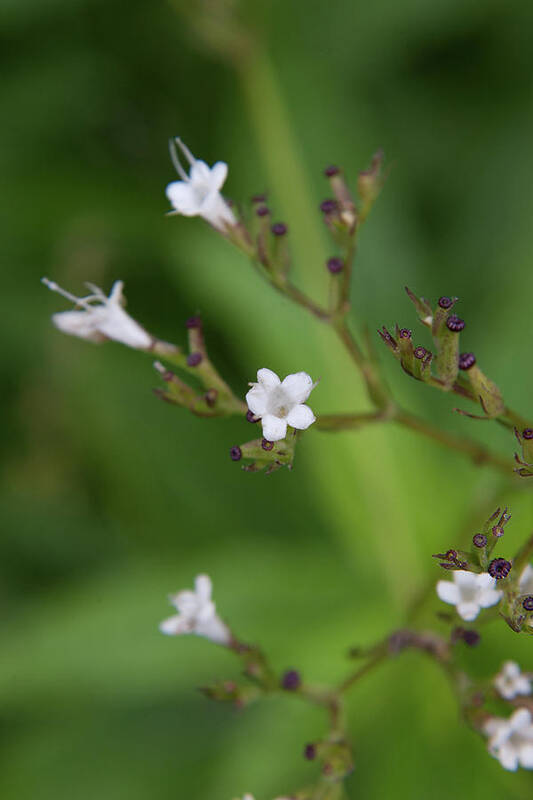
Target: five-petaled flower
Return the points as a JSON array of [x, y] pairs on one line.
[[281, 403], [511, 740], [469, 592], [197, 614], [98, 317], [511, 682], [198, 193]]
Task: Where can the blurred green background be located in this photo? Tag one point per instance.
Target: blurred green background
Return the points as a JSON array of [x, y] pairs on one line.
[[111, 499]]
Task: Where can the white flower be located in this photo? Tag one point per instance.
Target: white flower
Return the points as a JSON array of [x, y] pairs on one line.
[[197, 614], [99, 317], [469, 592], [198, 193], [279, 404], [525, 582], [511, 740], [510, 682]]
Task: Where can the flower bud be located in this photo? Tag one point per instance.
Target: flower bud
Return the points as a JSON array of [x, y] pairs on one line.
[[499, 568], [235, 453], [330, 171], [446, 302], [251, 418], [291, 680], [262, 211], [310, 752], [335, 265], [466, 361], [266, 445], [479, 540], [194, 359], [328, 206], [279, 229], [527, 603]]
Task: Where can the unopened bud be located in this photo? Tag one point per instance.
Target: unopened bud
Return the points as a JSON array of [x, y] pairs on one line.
[[446, 302], [194, 359], [291, 680], [262, 211], [194, 322], [499, 568], [251, 418], [455, 323], [466, 361], [335, 265], [527, 603], [235, 453], [404, 333], [498, 531], [527, 433], [330, 171], [480, 540], [310, 752], [328, 206], [266, 445], [279, 229], [420, 352]]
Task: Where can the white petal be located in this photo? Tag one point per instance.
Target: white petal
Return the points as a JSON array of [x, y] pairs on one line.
[[274, 428], [465, 579], [485, 581], [200, 173], [300, 417], [216, 211], [119, 326], [268, 378], [174, 625], [215, 630], [468, 611], [186, 602], [219, 172], [78, 323], [298, 386], [521, 718], [203, 588], [182, 198], [510, 669], [448, 592], [489, 597], [508, 757], [526, 756], [257, 400], [522, 685]]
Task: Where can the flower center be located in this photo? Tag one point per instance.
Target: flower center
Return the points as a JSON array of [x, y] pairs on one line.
[[280, 404]]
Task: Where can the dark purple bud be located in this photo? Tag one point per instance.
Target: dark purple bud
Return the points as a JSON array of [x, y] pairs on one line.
[[498, 531], [211, 397], [499, 568], [466, 360], [235, 453], [250, 417], [279, 229], [527, 433], [328, 206], [455, 323], [471, 638], [404, 333], [259, 198], [330, 171], [451, 555], [420, 352], [263, 211], [527, 603], [335, 265], [194, 359], [480, 540], [266, 445], [310, 752], [291, 680], [445, 302], [194, 322]]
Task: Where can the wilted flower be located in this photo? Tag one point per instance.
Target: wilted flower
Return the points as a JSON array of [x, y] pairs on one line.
[[281, 403], [198, 193], [197, 614], [98, 317], [469, 593], [510, 682], [511, 740]]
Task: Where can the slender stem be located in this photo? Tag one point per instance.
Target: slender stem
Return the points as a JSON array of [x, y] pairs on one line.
[[374, 661]]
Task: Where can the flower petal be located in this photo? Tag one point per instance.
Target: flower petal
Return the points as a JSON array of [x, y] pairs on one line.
[[214, 629], [116, 324], [274, 428], [448, 592], [78, 323], [526, 580], [489, 597], [219, 172], [526, 756], [485, 581], [268, 378], [508, 757], [300, 417], [465, 579], [203, 588], [521, 718], [298, 386], [468, 610], [182, 198], [257, 400], [175, 625]]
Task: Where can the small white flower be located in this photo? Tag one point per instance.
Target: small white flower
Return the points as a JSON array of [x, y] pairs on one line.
[[511, 740], [525, 582], [281, 403], [469, 592], [510, 682], [197, 614], [198, 193], [99, 317]]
